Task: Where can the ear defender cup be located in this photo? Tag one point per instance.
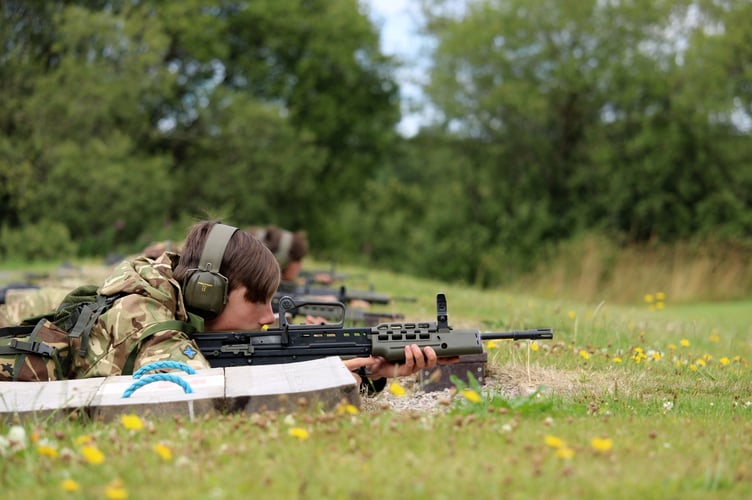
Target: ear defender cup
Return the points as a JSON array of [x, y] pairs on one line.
[[205, 291]]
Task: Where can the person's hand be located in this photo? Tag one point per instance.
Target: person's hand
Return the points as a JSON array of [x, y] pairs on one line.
[[415, 360]]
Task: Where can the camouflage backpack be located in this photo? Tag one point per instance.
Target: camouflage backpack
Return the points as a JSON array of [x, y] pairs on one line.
[[42, 347]]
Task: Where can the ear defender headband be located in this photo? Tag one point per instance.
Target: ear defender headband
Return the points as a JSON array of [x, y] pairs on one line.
[[205, 291], [283, 247]]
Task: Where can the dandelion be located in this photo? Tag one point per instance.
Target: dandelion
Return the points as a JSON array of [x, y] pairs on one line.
[[47, 451], [84, 439], [534, 346], [347, 408], [92, 454], [492, 344], [656, 356], [693, 367], [584, 354], [70, 486], [471, 395], [617, 360], [601, 444], [684, 343], [724, 361], [660, 296], [132, 422], [672, 347], [648, 298], [659, 305], [164, 452], [115, 490], [298, 432], [565, 453], [700, 362], [396, 389], [714, 337], [17, 438], [553, 441], [572, 315], [707, 357]]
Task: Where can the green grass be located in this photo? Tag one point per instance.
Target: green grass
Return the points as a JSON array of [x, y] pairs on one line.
[[676, 410]]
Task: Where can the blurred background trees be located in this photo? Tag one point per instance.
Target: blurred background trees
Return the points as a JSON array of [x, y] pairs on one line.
[[556, 120]]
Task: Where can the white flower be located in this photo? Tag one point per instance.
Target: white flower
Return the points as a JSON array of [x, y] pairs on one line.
[[17, 438]]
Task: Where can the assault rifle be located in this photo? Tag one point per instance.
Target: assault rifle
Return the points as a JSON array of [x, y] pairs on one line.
[[342, 294], [290, 343], [326, 277], [331, 311]]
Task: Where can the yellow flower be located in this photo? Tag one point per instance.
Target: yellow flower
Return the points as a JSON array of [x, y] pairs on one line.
[[47, 450], [492, 344], [347, 408], [115, 490], [601, 444], [700, 362], [584, 354], [572, 314], [693, 367], [554, 442], [660, 296], [92, 454], [684, 343], [724, 361], [707, 357], [396, 389], [298, 432], [714, 337], [164, 452], [648, 298], [534, 346], [617, 360], [70, 485], [672, 347], [659, 305], [565, 452], [657, 356], [132, 422], [471, 395], [84, 439]]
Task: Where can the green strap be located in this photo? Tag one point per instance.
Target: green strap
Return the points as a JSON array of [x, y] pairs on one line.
[[87, 318], [174, 324], [32, 346]]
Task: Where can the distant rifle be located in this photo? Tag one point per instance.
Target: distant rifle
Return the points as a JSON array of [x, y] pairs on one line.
[[343, 294], [332, 312], [290, 343], [329, 276]]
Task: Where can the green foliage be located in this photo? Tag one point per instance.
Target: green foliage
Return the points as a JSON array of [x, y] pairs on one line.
[[42, 241]]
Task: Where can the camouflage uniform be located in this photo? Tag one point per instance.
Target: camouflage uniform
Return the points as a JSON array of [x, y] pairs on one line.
[[151, 296], [25, 303]]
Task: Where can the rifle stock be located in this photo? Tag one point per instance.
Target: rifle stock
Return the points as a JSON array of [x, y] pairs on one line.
[[290, 343]]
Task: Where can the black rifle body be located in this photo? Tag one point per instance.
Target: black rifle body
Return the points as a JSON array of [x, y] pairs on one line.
[[292, 343]]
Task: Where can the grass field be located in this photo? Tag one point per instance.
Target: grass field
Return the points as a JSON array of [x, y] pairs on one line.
[[649, 401]]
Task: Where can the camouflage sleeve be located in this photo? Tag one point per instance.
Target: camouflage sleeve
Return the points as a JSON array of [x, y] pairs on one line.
[[170, 345], [120, 331]]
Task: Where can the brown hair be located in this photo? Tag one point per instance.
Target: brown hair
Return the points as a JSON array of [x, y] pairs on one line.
[[246, 262], [277, 239]]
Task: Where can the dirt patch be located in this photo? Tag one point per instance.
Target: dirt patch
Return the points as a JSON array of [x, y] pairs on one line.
[[511, 381]]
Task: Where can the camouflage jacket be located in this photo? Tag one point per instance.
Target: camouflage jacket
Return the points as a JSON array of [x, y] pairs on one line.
[[150, 295]]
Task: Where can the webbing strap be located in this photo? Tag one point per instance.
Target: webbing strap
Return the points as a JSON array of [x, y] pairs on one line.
[[32, 346], [16, 331], [87, 318]]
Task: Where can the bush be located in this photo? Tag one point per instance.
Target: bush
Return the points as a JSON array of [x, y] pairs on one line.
[[44, 240]]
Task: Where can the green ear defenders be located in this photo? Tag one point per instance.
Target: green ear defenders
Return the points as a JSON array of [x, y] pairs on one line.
[[205, 291]]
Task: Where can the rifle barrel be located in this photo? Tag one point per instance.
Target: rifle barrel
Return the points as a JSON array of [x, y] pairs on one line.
[[534, 334]]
